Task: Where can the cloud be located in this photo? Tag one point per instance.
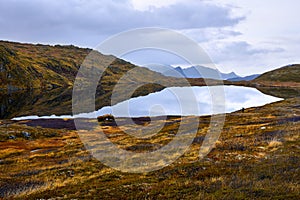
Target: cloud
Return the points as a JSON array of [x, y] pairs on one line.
[[237, 50], [82, 22], [244, 58], [241, 36], [243, 48], [208, 34]]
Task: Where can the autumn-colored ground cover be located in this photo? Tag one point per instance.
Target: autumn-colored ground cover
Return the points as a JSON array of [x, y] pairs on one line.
[[256, 156]]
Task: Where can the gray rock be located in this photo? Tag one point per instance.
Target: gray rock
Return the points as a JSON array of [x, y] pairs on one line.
[[12, 137], [26, 134]]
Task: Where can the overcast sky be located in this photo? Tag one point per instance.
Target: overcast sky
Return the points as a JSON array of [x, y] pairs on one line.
[[245, 36]]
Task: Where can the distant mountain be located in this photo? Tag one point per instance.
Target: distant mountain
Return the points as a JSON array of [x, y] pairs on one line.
[[289, 73], [193, 72], [166, 70], [245, 78], [230, 75]]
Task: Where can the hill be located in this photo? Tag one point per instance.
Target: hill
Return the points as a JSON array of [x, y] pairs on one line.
[[287, 74], [29, 66], [24, 66]]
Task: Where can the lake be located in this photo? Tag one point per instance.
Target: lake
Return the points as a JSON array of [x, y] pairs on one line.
[[181, 101]]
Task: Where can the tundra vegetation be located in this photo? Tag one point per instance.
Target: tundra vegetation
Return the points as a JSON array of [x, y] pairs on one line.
[[257, 155]]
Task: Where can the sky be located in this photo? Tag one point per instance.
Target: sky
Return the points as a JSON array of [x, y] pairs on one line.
[[245, 36]]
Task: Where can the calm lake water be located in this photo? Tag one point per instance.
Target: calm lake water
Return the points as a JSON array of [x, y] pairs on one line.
[[182, 101]]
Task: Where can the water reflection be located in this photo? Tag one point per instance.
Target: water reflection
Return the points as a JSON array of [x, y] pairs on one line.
[[190, 101], [182, 101]]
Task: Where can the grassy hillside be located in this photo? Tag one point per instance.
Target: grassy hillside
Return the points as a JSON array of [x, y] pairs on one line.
[[290, 73], [38, 66], [256, 157], [28, 66]]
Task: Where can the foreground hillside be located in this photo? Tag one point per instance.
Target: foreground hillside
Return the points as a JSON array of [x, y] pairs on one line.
[[256, 157]]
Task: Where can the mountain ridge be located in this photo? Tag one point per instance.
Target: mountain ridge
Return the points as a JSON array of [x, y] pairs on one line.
[[197, 71], [244, 78]]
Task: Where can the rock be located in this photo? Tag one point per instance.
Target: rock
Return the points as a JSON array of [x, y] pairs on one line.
[[238, 135], [70, 173], [107, 117], [26, 135], [239, 157], [12, 137], [2, 67]]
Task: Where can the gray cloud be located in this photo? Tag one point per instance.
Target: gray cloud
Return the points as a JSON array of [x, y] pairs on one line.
[[238, 50], [247, 49], [85, 22], [208, 34]]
